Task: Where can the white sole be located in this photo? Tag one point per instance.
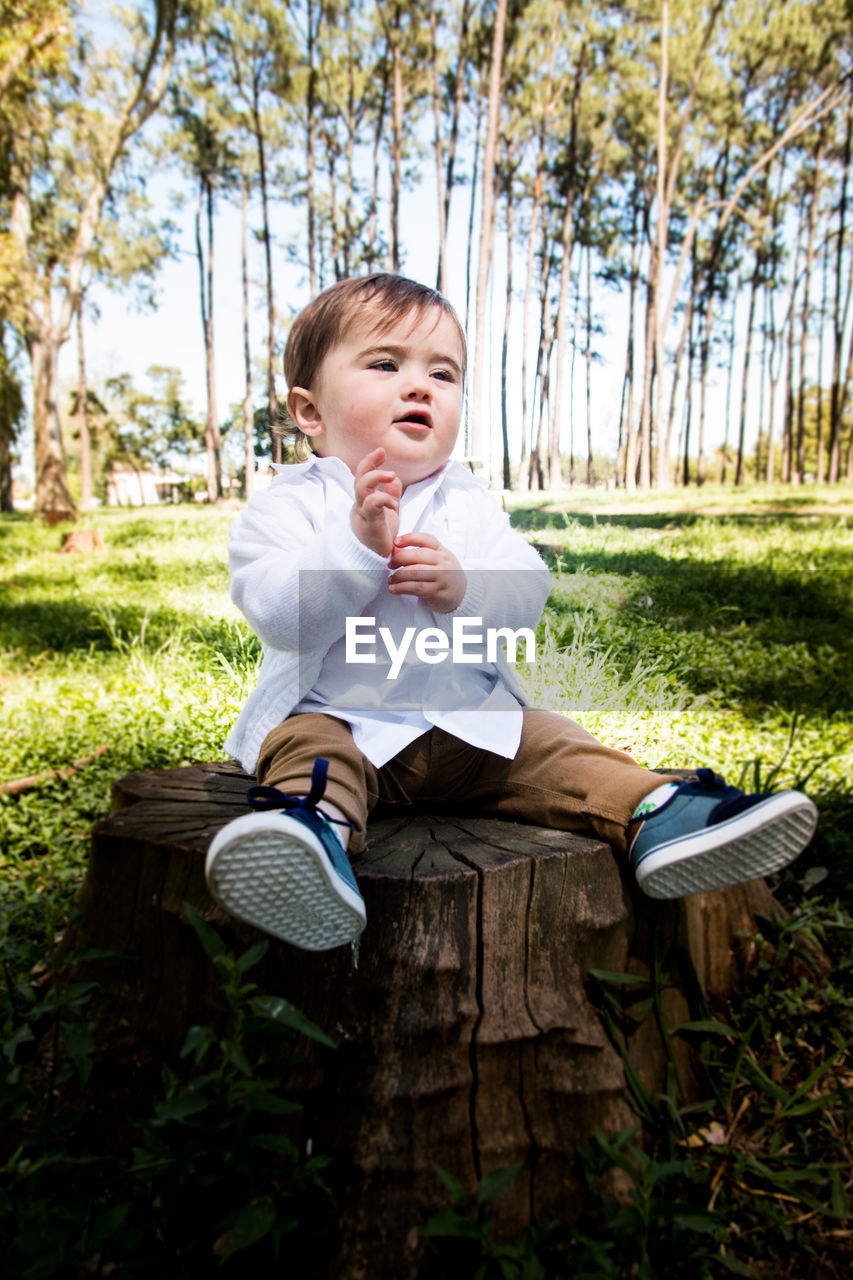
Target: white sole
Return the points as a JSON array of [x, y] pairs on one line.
[[272, 872], [756, 843]]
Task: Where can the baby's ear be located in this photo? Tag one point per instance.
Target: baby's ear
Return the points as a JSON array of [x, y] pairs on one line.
[[304, 411]]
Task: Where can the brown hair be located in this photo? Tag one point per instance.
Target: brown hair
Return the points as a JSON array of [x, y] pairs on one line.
[[387, 298]]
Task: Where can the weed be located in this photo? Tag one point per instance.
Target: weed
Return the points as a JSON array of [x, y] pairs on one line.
[[207, 1175]]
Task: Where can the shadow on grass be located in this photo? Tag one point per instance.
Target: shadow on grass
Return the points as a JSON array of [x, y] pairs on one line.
[[534, 518], [62, 627], [762, 635]]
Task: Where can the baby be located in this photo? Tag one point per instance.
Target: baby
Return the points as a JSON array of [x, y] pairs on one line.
[[391, 593]]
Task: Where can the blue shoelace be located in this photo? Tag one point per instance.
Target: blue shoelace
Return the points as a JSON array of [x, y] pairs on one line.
[[263, 798]]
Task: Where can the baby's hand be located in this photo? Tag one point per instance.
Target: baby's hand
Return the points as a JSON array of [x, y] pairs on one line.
[[375, 513], [423, 567]]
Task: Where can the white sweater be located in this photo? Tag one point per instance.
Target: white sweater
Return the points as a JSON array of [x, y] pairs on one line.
[[301, 523]]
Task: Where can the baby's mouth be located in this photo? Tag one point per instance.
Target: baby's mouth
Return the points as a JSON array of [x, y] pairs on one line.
[[414, 419]]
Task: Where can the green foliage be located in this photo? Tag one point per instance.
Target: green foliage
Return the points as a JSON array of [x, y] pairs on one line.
[[207, 1174]]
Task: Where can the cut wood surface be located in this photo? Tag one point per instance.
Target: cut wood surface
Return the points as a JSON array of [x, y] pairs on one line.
[[466, 1031]]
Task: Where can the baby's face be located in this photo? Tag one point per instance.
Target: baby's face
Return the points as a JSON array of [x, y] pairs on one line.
[[399, 389]]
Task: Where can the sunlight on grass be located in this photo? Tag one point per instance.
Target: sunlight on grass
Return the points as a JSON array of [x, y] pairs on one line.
[[683, 628]]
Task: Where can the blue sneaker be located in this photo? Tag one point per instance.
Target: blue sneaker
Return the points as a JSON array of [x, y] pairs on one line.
[[285, 870], [706, 835]]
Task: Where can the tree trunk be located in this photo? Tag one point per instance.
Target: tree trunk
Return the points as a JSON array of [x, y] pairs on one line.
[[205, 273], [83, 417], [571, 397], [773, 383], [688, 398], [730, 374], [468, 1034], [441, 283], [349, 244], [626, 405], [687, 414], [510, 176], [370, 248], [645, 460], [590, 465], [824, 311], [310, 145], [272, 398], [396, 140], [527, 392], [469, 254], [567, 245], [840, 309], [660, 251], [458, 99], [685, 336], [744, 391], [52, 492], [800, 451], [11, 411], [248, 409], [788, 429], [479, 441]]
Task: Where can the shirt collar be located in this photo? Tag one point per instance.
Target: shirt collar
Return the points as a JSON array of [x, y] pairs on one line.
[[335, 469]]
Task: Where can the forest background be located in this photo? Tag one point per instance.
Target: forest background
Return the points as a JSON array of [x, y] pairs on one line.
[[639, 209]]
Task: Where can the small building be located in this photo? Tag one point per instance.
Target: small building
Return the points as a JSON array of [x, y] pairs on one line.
[[129, 488]]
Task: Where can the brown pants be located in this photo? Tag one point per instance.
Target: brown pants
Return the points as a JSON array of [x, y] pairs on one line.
[[561, 776]]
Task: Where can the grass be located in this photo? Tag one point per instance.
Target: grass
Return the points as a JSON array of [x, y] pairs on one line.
[[708, 627]]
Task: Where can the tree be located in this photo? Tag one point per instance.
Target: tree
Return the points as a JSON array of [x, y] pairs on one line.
[[257, 46], [72, 134], [147, 428], [11, 414], [479, 446], [201, 138]]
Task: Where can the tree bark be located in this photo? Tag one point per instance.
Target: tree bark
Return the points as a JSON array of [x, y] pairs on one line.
[[567, 245], [83, 417], [248, 408], [840, 310], [371, 248], [272, 398], [800, 451], [744, 391], [479, 440], [528, 394], [626, 404], [438, 150], [310, 145], [590, 465], [395, 38], [52, 493], [458, 99], [510, 178], [212, 445]]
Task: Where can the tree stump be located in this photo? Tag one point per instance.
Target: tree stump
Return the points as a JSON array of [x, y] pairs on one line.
[[465, 1029]]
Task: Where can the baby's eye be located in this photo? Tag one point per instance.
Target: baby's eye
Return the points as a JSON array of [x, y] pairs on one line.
[[386, 364], [444, 375]]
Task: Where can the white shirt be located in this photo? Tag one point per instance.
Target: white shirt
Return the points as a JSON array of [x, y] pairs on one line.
[[298, 572]]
